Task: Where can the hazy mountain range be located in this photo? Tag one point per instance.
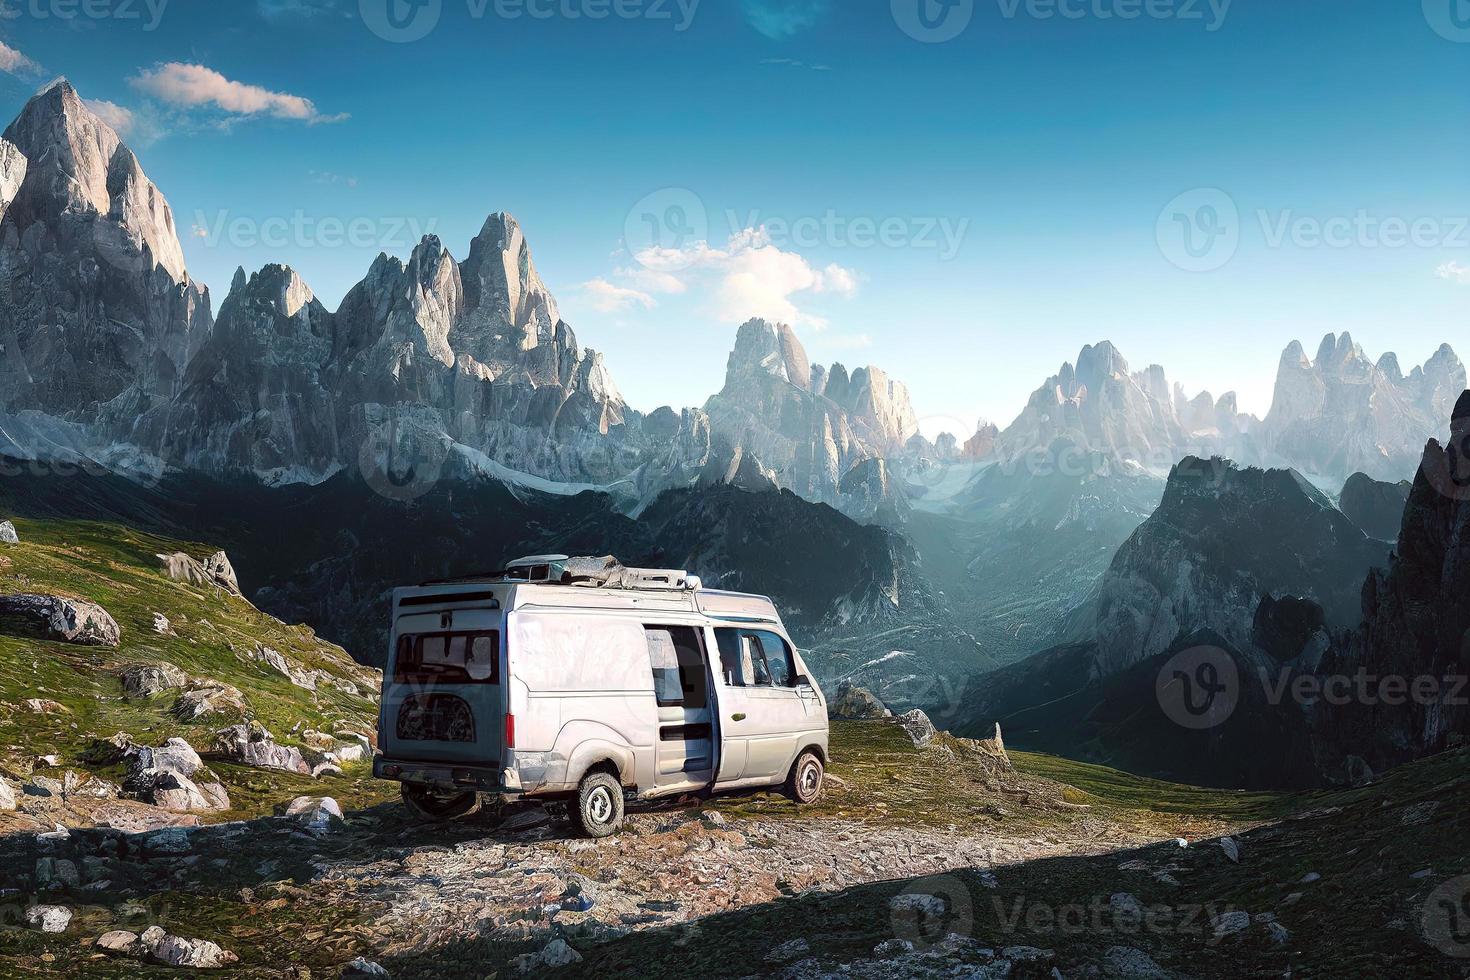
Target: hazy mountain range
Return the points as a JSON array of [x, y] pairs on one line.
[[435, 370]]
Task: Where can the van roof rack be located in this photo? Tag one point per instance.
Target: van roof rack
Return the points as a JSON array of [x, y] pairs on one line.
[[592, 573]]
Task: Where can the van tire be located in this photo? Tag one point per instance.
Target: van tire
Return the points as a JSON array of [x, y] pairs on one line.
[[804, 785], [598, 812], [433, 808]]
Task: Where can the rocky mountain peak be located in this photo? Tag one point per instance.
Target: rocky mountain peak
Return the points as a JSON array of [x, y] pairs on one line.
[[1342, 413], [78, 163], [773, 349], [509, 308]]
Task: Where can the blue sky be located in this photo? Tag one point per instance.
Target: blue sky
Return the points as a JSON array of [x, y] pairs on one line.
[[965, 213]]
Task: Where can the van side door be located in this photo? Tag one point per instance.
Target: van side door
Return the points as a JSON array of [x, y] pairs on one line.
[[763, 712]]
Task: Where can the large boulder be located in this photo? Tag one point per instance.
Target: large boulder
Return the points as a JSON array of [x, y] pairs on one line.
[[251, 745], [210, 698], [855, 703], [317, 813], [48, 918], [67, 620], [217, 566], [145, 680], [173, 777], [215, 571], [7, 533], [918, 727]]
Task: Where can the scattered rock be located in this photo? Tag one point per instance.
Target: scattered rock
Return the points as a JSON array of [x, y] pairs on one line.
[[1126, 963], [212, 699], [304, 679], [44, 706], [121, 943], [1232, 923], [48, 918], [557, 954], [252, 745], [217, 566], [316, 812], [7, 797], [214, 571], [200, 954], [786, 952], [917, 904], [1231, 849], [67, 620], [363, 969], [85, 786], [1126, 906], [855, 703], [54, 873], [7, 533], [144, 681], [1310, 878], [161, 625], [918, 726], [105, 752], [1279, 933]]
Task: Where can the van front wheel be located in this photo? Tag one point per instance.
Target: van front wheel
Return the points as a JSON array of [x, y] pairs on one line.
[[599, 809], [437, 807], [804, 785]]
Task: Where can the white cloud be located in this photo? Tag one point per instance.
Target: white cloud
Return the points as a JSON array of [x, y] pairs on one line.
[[1454, 272], [194, 86], [120, 118], [608, 298], [750, 277], [14, 63]]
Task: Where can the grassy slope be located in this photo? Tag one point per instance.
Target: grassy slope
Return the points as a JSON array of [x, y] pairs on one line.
[[215, 633]]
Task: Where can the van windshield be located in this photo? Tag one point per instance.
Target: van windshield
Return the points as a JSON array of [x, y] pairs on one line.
[[447, 658]]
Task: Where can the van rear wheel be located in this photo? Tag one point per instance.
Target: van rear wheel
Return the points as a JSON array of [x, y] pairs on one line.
[[599, 807], [439, 807], [804, 785]]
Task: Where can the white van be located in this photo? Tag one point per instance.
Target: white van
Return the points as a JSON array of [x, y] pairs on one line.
[[582, 680]]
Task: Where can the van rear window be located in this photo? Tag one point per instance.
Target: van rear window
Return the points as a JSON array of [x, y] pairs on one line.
[[448, 658]]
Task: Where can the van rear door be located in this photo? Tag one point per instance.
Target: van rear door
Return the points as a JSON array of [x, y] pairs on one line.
[[443, 692]]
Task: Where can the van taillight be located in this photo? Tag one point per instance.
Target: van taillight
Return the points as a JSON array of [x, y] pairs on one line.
[[510, 731]]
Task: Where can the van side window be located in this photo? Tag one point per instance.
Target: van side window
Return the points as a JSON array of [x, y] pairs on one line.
[[735, 661], [779, 661], [755, 659], [677, 659]]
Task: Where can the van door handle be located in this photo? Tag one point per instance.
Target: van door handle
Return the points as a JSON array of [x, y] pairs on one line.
[[740, 716]]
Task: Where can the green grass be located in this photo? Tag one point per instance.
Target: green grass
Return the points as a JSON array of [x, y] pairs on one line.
[[1110, 787], [213, 636]]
